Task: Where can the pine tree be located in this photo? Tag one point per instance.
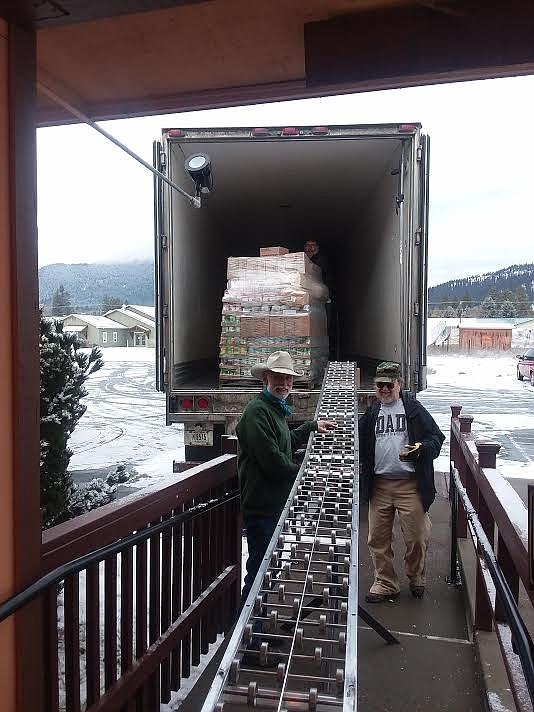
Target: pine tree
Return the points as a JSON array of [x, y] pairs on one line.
[[64, 370], [523, 305], [488, 308], [507, 309], [109, 303], [61, 302]]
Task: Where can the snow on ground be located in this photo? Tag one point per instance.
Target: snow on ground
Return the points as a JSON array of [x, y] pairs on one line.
[[125, 422], [125, 418], [486, 385]]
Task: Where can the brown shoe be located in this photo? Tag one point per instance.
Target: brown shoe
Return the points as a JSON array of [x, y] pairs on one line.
[[417, 591], [381, 597]]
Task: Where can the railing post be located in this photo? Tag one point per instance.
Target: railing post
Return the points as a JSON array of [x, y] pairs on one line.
[[468, 478], [487, 457], [465, 422], [453, 493], [228, 445], [455, 412]]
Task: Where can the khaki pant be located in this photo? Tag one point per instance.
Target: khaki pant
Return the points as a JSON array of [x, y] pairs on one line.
[[388, 497]]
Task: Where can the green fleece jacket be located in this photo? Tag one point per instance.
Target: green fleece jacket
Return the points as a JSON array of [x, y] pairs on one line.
[[264, 461]]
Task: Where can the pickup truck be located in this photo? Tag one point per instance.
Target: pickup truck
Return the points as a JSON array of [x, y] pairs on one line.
[[525, 366]]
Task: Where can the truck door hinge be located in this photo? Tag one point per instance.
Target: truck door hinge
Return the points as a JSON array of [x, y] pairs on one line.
[[399, 200], [163, 241], [162, 159], [165, 311], [419, 153], [418, 234], [165, 378], [416, 308]]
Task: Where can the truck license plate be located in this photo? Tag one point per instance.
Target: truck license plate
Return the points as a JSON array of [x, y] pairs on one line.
[[199, 434]]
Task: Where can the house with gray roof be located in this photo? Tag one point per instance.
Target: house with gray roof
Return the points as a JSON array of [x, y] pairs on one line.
[[139, 321], [95, 330]]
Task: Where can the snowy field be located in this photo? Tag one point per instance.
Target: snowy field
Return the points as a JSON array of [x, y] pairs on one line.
[[486, 387], [125, 422], [125, 418]]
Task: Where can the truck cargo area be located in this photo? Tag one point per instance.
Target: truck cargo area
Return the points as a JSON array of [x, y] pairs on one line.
[[348, 193]]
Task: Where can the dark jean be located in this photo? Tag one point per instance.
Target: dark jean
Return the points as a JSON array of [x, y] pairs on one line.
[[259, 533]]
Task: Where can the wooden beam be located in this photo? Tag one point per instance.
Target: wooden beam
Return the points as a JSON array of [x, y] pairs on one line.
[[404, 45], [24, 342]]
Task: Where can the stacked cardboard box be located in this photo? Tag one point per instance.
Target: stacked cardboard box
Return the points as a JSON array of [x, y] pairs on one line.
[[273, 302]]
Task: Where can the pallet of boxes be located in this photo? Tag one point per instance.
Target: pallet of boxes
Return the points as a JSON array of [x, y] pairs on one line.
[[275, 302]]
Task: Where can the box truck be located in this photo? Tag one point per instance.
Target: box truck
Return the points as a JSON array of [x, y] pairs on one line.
[[360, 191]]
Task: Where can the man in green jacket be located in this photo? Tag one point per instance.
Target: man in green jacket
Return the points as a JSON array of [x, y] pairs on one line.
[[265, 465]]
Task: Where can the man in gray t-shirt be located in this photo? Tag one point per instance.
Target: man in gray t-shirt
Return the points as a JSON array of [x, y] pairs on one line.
[[398, 442]]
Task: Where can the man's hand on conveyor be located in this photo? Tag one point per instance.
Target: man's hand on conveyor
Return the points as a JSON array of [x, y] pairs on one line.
[[323, 426], [410, 453]]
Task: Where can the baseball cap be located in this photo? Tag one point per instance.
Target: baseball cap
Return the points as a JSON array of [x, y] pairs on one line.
[[388, 371]]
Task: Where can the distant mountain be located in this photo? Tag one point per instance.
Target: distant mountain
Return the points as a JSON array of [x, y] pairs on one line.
[[477, 287], [88, 284]]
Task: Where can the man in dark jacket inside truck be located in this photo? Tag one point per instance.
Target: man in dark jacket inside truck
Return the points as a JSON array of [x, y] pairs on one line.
[[265, 465], [399, 440]]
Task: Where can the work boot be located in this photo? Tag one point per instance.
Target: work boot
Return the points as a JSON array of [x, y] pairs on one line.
[[381, 597]]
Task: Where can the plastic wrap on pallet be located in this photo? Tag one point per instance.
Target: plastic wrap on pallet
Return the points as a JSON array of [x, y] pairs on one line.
[[272, 304], [292, 262]]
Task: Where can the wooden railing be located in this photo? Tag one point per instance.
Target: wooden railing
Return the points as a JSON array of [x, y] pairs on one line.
[[504, 520], [123, 633]]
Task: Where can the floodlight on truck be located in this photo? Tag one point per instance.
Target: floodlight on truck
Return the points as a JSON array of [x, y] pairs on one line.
[[199, 168]]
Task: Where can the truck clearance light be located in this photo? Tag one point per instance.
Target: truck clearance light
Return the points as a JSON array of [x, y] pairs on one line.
[[407, 128], [320, 130], [290, 131], [260, 132], [203, 403], [186, 403], [175, 133]]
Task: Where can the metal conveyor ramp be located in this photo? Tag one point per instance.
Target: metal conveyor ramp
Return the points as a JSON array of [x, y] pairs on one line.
[[294, 645]]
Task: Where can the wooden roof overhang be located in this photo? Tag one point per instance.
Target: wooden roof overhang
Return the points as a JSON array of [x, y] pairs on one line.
[[120, 58]]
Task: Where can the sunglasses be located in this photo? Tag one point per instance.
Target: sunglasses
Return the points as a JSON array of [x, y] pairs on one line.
[[383, 384]]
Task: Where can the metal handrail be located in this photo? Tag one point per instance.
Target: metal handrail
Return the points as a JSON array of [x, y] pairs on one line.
[[7, 608], [520, 634]]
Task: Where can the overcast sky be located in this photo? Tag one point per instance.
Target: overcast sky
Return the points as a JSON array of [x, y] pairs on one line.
[[95, 203]]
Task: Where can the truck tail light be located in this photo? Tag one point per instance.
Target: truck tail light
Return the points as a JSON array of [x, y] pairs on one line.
[[186, 403], [290, 131], [203, 404]]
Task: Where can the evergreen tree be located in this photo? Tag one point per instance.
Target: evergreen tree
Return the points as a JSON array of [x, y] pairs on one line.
[[507, 309], [488, 308], [109, 303], [523, 305], [64, 370], [61, 302]]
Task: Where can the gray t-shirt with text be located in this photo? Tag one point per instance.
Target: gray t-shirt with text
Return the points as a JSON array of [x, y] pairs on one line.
[[391, 436]]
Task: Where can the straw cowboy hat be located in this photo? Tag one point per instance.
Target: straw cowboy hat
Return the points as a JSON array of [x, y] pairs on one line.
[[278, 362]]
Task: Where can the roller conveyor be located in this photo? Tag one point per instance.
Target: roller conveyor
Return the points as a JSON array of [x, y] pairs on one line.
[[294, 645]]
